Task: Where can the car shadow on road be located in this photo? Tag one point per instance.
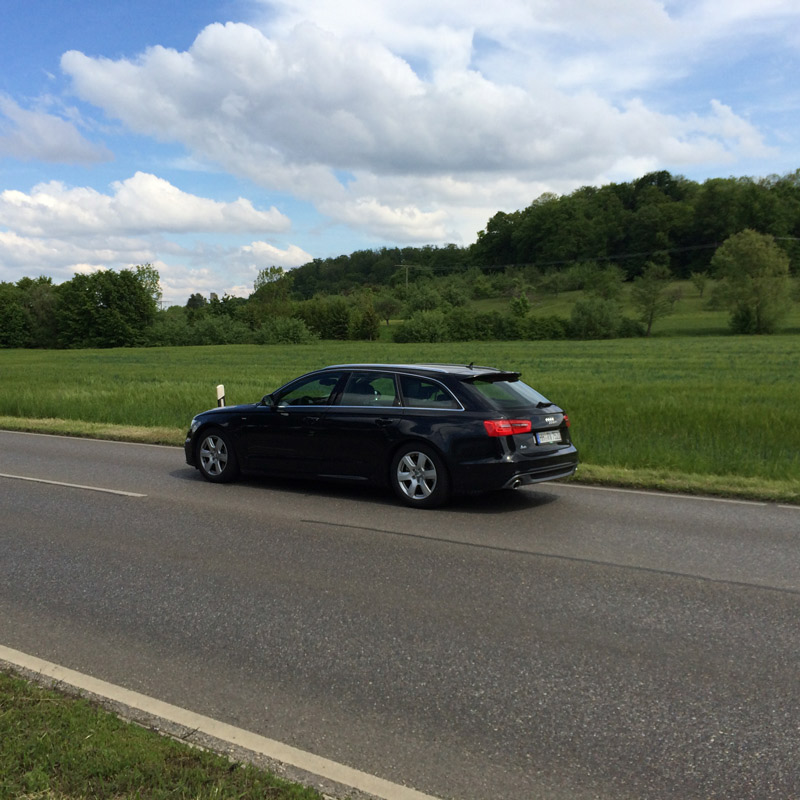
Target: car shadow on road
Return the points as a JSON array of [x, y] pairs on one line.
[[502, 502]]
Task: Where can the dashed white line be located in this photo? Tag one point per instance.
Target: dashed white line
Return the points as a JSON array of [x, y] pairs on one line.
[[72, 485], [286, 754]]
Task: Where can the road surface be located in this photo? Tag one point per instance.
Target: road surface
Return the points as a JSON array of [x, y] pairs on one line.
[[555, 642]]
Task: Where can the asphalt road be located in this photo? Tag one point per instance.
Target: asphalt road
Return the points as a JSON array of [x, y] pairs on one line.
[[556, 642]]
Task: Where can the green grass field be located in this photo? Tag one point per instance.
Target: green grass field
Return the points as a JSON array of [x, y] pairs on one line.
[[713, 413]]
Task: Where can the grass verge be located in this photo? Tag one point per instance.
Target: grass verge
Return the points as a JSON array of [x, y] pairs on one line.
[[730, 486], [57, 747], [94, 430]]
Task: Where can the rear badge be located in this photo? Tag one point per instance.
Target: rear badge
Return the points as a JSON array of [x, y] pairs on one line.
[[550, 420]]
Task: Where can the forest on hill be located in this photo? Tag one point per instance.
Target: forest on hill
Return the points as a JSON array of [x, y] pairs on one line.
[[644, 234]]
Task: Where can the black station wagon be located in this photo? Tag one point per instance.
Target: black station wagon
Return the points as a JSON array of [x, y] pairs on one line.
[[426, 430]]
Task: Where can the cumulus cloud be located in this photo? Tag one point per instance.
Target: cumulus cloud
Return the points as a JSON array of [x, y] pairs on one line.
[[406, 121], [30, 135], [59, 231], [141, 204], [411, 92]]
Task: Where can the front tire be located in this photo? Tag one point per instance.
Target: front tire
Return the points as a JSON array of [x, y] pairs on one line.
[[419, 477], [216, 458]]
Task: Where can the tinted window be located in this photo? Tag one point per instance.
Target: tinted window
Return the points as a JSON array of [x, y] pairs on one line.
[[508, 394], [312, 391], [421, 393], [370, 389]]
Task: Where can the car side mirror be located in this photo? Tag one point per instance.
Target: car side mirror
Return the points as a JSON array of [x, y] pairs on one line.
[[267, 400]]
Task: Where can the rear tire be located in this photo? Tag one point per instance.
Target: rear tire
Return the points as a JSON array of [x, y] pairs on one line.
[[216, 458], [419, 477]]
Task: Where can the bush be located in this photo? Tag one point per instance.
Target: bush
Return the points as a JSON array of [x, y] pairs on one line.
[[424, 326], [538, 328], [219, 330], [630, 328], [284, 330], [169, 329], [329, 317], [364, 324], [595, 318]]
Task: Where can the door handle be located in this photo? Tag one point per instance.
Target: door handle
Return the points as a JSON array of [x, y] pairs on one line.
[[310, 420], [382, 422]]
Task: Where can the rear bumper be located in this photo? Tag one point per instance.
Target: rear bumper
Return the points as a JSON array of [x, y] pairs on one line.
[[512, 470]]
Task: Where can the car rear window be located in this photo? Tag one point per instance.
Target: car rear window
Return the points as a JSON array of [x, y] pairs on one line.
[[422, 393], [370, 389], [508, 394]]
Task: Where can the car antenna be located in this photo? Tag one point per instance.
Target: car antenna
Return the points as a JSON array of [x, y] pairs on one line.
[[470, 364]]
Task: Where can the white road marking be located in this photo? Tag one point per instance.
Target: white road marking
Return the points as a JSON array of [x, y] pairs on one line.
[[72, 485], [665, 494], [286, 754]]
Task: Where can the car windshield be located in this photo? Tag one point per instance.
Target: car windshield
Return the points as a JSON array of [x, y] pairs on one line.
[[509, 394]]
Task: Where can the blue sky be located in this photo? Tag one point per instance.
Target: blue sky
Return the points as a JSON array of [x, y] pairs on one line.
[[213, 139]]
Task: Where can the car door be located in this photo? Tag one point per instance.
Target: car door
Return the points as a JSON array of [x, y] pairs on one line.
[[282, 437], [359, 430]]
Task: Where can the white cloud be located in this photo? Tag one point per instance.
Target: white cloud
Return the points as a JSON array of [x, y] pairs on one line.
[[29, 135], [409, 92], [141, 204], [59, 231], [404, 120]]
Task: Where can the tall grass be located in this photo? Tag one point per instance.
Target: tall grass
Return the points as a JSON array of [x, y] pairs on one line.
[[714, 405]]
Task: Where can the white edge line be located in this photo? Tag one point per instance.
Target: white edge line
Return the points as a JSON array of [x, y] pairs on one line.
[[666, 494], [72, 485], [286, 754]]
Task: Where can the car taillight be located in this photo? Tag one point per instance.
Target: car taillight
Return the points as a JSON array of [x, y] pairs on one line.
[[506, 427], [566, 420]]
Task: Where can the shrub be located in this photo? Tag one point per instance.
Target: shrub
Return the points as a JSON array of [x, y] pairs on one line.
[[424, 326], [219, 330], [364, 324], [552, 327], [594, 318], [284, 330]]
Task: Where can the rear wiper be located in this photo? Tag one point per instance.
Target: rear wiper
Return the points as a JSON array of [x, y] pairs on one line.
[[544, 404]]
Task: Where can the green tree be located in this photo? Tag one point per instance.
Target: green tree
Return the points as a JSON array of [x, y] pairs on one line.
[[40, 299], [104, 309], [364, 323], [388, 306], [270, 296], [754, 281], [699, 280], [196, 306], [14, 329], [649, 295], [148, 277]]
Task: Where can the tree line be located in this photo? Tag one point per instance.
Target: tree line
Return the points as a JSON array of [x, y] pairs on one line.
[[648, 232]]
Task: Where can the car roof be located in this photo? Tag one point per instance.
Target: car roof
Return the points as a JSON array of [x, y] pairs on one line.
[[457, 370]]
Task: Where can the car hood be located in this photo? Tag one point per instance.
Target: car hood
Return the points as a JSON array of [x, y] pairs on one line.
[[212, 412]]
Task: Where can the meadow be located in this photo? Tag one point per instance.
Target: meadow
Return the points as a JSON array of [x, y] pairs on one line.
[[711, 413]]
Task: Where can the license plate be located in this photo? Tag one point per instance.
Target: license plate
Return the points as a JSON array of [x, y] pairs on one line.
[[548, 437]]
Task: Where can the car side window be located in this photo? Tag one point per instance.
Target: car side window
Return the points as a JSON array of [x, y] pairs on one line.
[[370, 389], [314, 391], [421, 393]]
